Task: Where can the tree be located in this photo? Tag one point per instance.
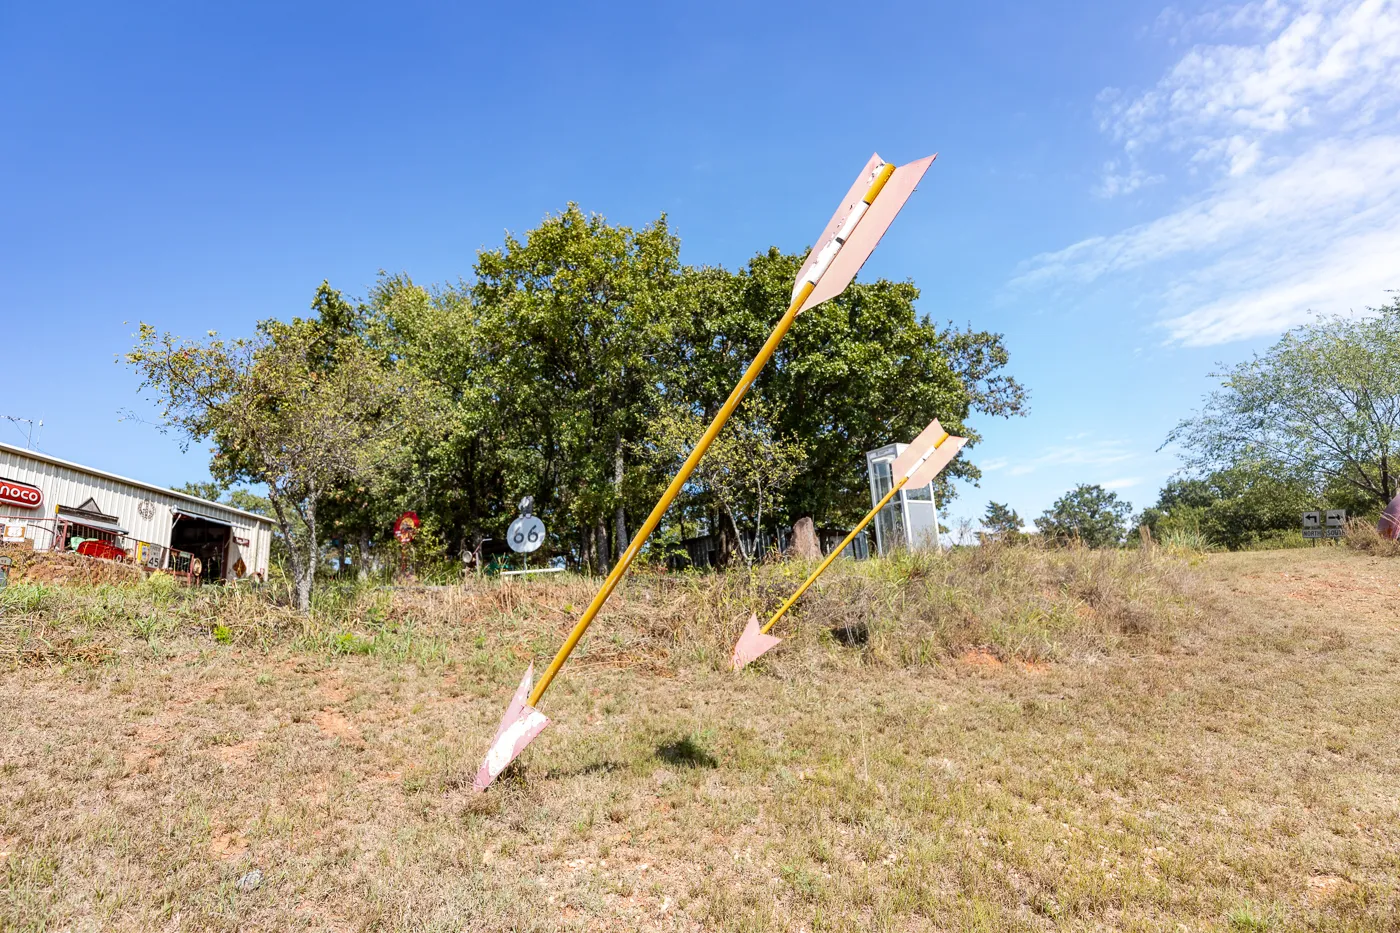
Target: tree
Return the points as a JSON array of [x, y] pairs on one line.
[[1240, 507], [202, 489], [1089, 514], [1322, 403], [1002, 522], [577, 338], [301, 408], [856, 373], [742, 473]]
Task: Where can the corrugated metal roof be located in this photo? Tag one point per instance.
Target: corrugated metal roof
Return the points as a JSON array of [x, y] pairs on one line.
[[91, 471]]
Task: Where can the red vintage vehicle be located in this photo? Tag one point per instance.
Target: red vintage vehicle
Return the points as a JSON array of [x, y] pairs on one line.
[[98, 548]]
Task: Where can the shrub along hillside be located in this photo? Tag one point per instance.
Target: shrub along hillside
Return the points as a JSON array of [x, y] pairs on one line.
[[1006, 602]]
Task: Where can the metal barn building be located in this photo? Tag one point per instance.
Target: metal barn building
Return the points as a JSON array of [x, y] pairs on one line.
[[52, 504]]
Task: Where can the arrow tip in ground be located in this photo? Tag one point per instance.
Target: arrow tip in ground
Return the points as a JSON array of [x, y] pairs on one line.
[[518, 728], [752, 643]]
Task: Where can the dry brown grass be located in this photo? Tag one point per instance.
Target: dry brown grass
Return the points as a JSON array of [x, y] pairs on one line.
[[1366, 537], [1050, 740]]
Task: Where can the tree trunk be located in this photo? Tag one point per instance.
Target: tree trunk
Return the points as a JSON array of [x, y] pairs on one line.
[[363, 557], [585, 551], [306, 573], [728, 535], [601, 534], [804, 539], [620, 539]]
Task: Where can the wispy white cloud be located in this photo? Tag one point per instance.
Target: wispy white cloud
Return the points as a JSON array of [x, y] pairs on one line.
[[1123, 483], [1287, 127], [1102, 453]]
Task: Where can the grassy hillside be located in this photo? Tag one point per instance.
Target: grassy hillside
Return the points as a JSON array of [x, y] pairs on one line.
[[995, 740]]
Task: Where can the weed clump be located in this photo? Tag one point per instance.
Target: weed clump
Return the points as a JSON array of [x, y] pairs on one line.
[[1364, 536]]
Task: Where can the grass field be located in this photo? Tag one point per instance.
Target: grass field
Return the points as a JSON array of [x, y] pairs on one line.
[[999, 740]]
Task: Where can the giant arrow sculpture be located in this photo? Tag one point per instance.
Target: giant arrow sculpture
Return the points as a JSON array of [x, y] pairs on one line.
[[920, 462], [848, 240]]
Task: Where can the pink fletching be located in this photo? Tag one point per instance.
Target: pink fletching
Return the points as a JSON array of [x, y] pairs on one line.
[[916, 449], [867, 233], [936, 462], [848, 204]]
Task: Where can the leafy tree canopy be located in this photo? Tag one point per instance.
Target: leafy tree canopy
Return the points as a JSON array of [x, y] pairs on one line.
[[1322, 404], [1091, 515]]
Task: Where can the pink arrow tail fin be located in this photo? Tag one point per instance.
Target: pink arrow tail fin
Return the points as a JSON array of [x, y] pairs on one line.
[[939, 459], [518, 728], [867, 233], [848, 204], [752, 644], [916, 449]]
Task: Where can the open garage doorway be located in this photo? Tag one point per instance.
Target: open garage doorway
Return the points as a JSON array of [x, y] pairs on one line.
[[206, 540]]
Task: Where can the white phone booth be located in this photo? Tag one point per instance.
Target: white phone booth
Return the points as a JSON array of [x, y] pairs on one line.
[[910, 520]]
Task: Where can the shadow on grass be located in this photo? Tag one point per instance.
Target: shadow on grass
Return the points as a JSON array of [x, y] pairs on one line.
[[686, 753], [852, 636], [596, 767]]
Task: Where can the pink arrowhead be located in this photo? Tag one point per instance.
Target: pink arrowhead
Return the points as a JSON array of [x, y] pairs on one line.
[[752, 643], [518, 729]]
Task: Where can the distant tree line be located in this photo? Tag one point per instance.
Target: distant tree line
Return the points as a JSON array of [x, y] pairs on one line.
[[1311, 423], [572, 366]]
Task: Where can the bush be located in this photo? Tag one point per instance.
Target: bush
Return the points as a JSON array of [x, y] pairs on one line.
[[1363, 535]]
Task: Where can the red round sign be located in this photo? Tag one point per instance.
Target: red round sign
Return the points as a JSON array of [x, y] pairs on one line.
[[406, 527], [13, 492]]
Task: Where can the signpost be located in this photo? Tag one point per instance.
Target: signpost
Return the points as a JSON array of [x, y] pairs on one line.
[[405, 530], [1331, 523], [526, 533]]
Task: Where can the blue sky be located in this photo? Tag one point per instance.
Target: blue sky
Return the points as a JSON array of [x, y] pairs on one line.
[[1129, 192]]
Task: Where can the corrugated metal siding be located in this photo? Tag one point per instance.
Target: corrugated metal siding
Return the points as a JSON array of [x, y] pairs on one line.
[[62, 485]]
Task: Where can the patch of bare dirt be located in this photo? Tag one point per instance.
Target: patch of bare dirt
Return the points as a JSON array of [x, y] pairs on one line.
[[335, 724], [1323, 888], [228, 846]]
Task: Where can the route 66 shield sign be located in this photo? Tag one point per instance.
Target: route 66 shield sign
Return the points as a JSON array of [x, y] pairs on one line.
[[525, 534]]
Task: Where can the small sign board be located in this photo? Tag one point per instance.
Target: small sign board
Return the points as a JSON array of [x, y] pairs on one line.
[[1312, 524], [525, 534], [1336, 523]]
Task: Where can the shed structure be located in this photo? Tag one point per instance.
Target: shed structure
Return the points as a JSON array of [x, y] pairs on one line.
[[52, 504]]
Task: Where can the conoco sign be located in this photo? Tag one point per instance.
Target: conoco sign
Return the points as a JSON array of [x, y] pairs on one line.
[[13, 492]]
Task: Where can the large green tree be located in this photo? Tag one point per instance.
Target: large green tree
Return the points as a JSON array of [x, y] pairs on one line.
[[303, 408], [854, 374], [577, 339], [1322, 403]]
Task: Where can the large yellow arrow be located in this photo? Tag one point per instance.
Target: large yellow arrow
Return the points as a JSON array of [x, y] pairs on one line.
[[853, 234]]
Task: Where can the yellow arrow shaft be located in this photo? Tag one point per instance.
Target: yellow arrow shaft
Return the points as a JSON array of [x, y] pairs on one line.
[[821, 568], [835, 552], [678, 483]]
